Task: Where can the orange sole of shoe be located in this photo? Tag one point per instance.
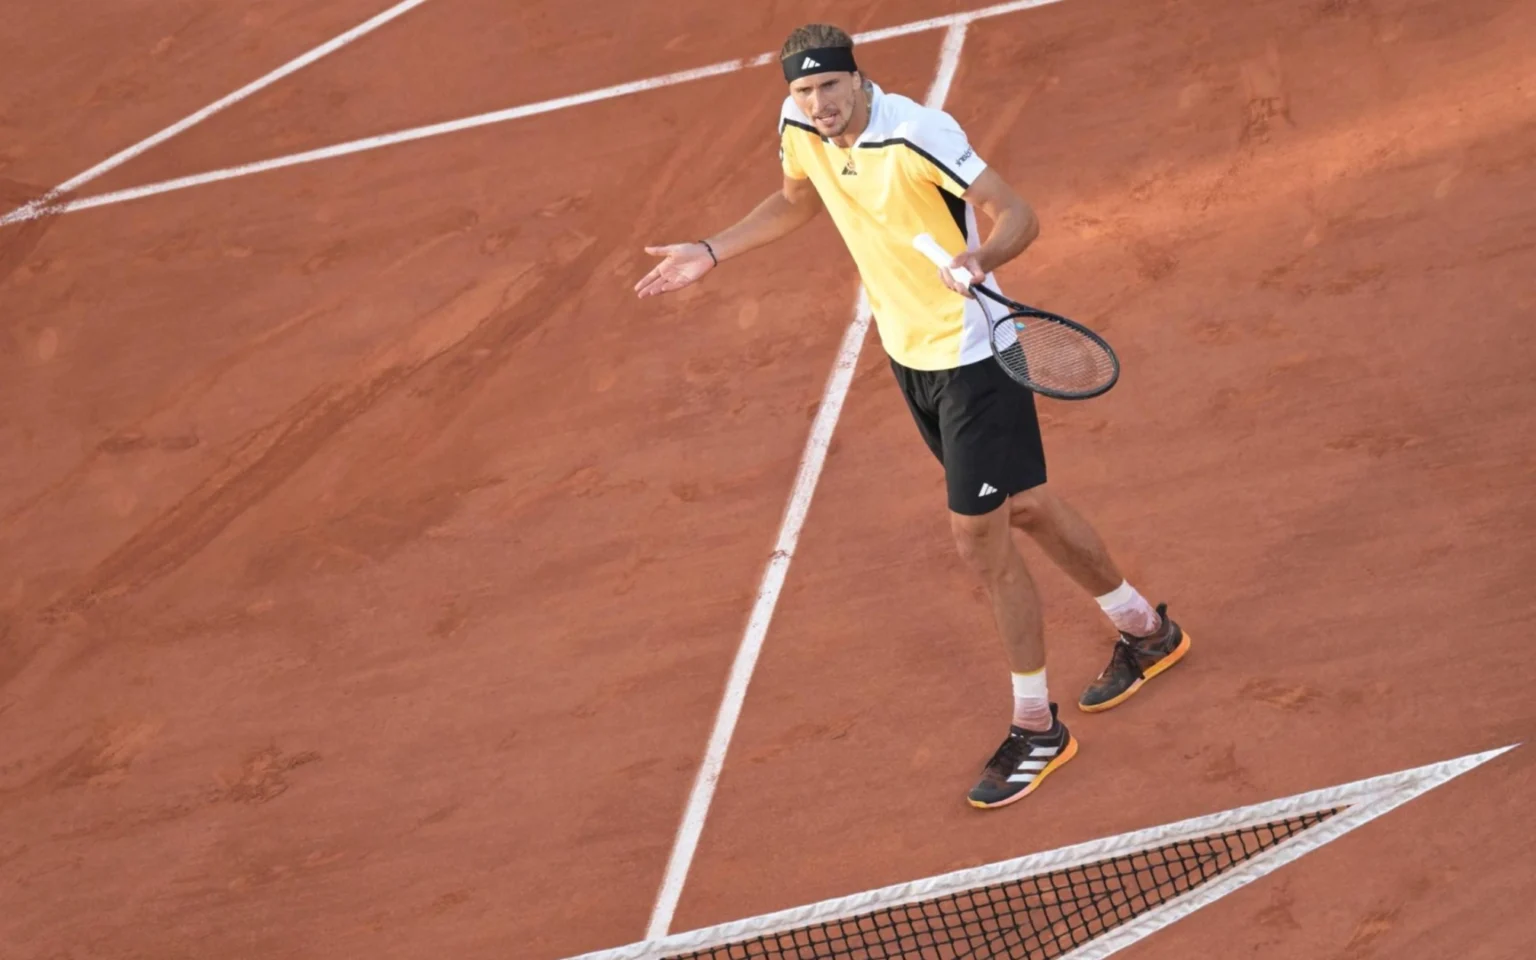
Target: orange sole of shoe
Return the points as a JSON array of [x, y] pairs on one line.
[[1052, 767], [1152, 671]]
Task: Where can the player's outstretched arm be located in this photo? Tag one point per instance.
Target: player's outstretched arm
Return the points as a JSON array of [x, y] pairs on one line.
[[782, 213]]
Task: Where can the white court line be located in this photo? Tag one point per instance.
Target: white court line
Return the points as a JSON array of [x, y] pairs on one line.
[[38, 208], [390, 139], [949, 62], [686, 844], [41, 204]]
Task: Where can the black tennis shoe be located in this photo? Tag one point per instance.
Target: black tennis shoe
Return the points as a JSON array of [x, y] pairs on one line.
[[1133, 662], [1022, 763]]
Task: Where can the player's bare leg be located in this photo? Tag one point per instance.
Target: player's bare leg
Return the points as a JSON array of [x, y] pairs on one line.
[[1149, 641], [1068, 539], [987, 547], [1037, 743]]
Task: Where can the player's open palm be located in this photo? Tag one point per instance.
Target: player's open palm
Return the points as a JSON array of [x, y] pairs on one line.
[[683, 263]]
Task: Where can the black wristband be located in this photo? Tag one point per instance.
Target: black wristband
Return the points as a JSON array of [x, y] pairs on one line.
[[711, 252]]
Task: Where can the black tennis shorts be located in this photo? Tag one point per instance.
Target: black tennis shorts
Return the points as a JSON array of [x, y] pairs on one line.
[[982, 426]]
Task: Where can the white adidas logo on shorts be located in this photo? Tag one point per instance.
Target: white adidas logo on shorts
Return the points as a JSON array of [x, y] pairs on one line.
[[987, 490]]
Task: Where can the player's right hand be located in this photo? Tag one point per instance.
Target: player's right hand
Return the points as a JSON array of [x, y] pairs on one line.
[[684, 263]]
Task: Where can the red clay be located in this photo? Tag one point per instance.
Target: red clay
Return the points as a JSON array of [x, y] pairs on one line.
[[371, 563], [80, 81]]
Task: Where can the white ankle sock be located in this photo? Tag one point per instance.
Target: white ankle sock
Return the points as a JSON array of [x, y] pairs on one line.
[[1031, 702], [1129, 611]]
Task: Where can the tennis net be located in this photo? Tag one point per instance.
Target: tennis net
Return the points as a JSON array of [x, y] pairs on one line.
[[1032, 918], [1081, 902]]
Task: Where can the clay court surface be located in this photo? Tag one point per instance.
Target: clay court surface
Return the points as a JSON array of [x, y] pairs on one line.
[[371, 561]]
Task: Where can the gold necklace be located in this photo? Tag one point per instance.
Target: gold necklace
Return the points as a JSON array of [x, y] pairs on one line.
[[849, 169]]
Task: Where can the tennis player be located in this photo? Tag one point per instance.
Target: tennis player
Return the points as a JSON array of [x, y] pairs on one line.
[[888, 169]]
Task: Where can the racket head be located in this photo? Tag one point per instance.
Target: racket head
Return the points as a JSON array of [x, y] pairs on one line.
[[1050, 354]]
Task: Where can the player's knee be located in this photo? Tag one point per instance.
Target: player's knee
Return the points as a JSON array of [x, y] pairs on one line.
[[978, 539], [1028, 509]]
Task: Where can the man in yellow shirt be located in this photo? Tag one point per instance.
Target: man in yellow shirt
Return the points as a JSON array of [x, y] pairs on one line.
[[887, 169]]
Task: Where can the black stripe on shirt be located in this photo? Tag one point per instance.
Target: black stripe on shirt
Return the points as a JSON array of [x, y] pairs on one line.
[[920, 152], [956, 207], [786, 122]]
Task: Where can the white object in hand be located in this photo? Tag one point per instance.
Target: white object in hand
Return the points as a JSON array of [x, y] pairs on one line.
[[929, 247]]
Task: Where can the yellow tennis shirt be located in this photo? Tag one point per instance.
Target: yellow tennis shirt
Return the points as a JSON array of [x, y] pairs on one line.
[[906, 174]]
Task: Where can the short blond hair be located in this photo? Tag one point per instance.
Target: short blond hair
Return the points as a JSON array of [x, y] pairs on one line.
[[814, 36]]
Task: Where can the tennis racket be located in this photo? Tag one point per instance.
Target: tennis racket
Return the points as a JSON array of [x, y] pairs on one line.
[[1051, 355]]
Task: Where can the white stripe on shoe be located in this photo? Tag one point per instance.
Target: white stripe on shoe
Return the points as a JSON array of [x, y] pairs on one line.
[[1027, 771]]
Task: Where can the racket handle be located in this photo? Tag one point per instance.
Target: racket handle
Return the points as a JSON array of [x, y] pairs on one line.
[[929, 247]]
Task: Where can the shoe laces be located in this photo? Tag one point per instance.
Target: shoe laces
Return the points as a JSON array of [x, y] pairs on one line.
[[1125, 655], [1010, 753]]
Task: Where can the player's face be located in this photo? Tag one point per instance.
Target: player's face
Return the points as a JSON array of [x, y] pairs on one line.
[[828, 99]]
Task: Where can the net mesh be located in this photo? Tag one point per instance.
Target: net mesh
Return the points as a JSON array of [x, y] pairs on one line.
[[1031, 918]]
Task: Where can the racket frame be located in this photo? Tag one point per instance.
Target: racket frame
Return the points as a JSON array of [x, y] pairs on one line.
[[1018, 311]]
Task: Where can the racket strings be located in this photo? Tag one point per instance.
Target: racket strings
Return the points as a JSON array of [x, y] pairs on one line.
[[1051, 355]]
